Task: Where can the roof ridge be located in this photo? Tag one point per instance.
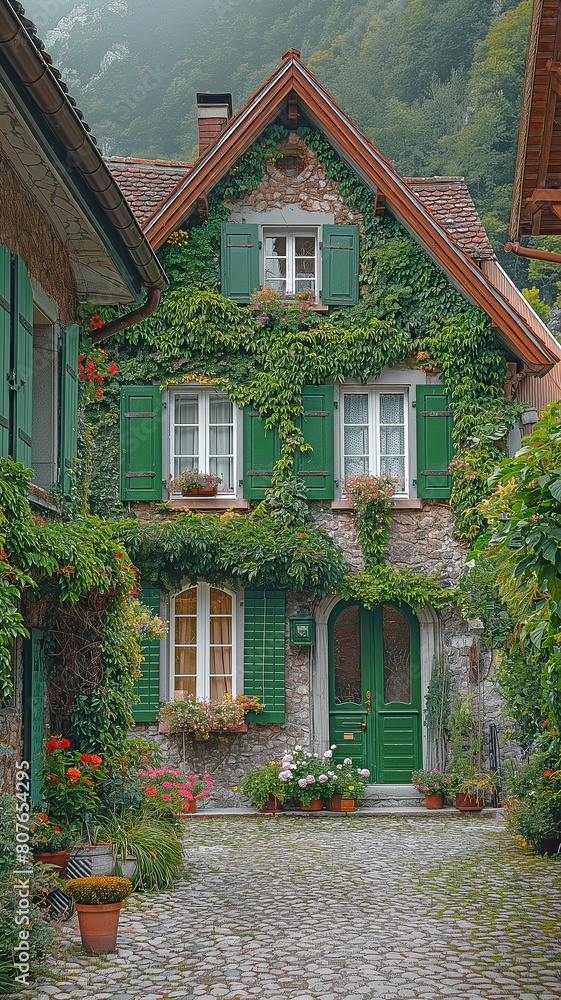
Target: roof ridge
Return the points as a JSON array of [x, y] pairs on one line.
[[151, 163]]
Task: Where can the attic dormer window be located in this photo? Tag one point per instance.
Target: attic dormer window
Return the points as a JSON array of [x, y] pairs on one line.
[[290, 164]]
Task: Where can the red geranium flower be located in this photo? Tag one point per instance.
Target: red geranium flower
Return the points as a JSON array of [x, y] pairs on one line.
[[151, 790], [73, 773]]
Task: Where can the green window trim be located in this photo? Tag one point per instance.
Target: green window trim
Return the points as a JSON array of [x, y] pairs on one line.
[[435, 449]]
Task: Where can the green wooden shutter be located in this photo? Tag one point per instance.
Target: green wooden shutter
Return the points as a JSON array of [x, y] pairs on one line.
[[34, 708], [434, 442], [69, 407], [239, 260], [5, 349], [339, 265], [147, 686], [317, 467], [22, 380], [264, 658], [261, 450], [141, 442]]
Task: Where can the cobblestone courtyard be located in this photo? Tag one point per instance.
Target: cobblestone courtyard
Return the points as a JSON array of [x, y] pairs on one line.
[[335, 909]]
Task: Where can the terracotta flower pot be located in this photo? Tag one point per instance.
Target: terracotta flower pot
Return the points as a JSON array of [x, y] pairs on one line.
[[272, 805], [189, 807], [467, 803], [434, 801], [200, 491], [314, 806], [98, 926], [341, 804], [56, 858]]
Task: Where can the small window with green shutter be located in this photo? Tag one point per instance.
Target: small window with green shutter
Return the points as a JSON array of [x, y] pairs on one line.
[[147, 686], [434, 442], [141, 442], [264, 652]]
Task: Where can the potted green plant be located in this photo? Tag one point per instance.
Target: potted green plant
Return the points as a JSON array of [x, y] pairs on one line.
[[194, 483], [98, 900], [349, 786], [433, 785], [263, 788], [470, 787], [51, 843]]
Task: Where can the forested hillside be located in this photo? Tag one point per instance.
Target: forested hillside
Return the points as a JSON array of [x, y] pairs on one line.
[[436, 84]]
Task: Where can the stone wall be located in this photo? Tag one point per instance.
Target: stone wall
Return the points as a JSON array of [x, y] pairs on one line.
[[11, 726], [311, 191]]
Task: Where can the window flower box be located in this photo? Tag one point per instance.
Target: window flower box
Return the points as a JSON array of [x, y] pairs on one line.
[[201, 718]]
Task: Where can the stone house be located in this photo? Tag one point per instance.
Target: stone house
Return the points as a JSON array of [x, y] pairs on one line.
[[328, 670], [66, 235]]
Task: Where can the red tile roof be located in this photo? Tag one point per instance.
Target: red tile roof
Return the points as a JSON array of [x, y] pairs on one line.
[[146, 183], [449, 201]]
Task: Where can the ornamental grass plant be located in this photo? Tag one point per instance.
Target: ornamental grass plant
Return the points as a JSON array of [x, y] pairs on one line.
[[154, 844]]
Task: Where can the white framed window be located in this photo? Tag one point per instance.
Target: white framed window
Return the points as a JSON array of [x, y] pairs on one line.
[[374, 434], [203, 435], [203, 635], [291, 260]]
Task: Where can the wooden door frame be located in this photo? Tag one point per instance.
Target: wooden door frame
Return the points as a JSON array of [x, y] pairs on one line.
[[430, 653]]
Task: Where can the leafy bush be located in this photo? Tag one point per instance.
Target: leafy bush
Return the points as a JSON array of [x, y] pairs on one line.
[[534, 793], [41, 938], [260, 783], [98, 889], [152, 842]]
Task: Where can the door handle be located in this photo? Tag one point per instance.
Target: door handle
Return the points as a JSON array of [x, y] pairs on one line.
[[363, 726], [369, 702]]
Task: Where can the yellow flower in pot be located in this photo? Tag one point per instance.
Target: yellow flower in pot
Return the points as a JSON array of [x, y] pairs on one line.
[[98, 900]]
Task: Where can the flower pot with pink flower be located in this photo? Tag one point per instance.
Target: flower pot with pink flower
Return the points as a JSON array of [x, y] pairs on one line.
[[433, 785], [170, 793]]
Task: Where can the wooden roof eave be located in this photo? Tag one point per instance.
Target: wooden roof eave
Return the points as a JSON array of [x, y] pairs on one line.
[[374, 170], [527, 98]]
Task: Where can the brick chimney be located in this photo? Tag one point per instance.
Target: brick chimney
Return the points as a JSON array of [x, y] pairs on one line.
[[213, 112]]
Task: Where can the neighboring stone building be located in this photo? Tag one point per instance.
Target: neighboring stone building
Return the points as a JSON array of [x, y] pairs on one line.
[[361, 683], [66, 235]]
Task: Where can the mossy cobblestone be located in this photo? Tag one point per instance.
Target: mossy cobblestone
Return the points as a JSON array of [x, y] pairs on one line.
[[300, 909]]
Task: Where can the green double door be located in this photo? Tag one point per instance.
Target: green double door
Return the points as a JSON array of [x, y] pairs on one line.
[[375, 689]]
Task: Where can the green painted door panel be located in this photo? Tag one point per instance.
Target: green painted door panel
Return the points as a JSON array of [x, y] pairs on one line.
[[348, 732], [22, 381], [398, 747], [5, 349]]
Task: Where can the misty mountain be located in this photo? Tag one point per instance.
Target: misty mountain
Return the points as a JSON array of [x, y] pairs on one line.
[[436, 84]]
